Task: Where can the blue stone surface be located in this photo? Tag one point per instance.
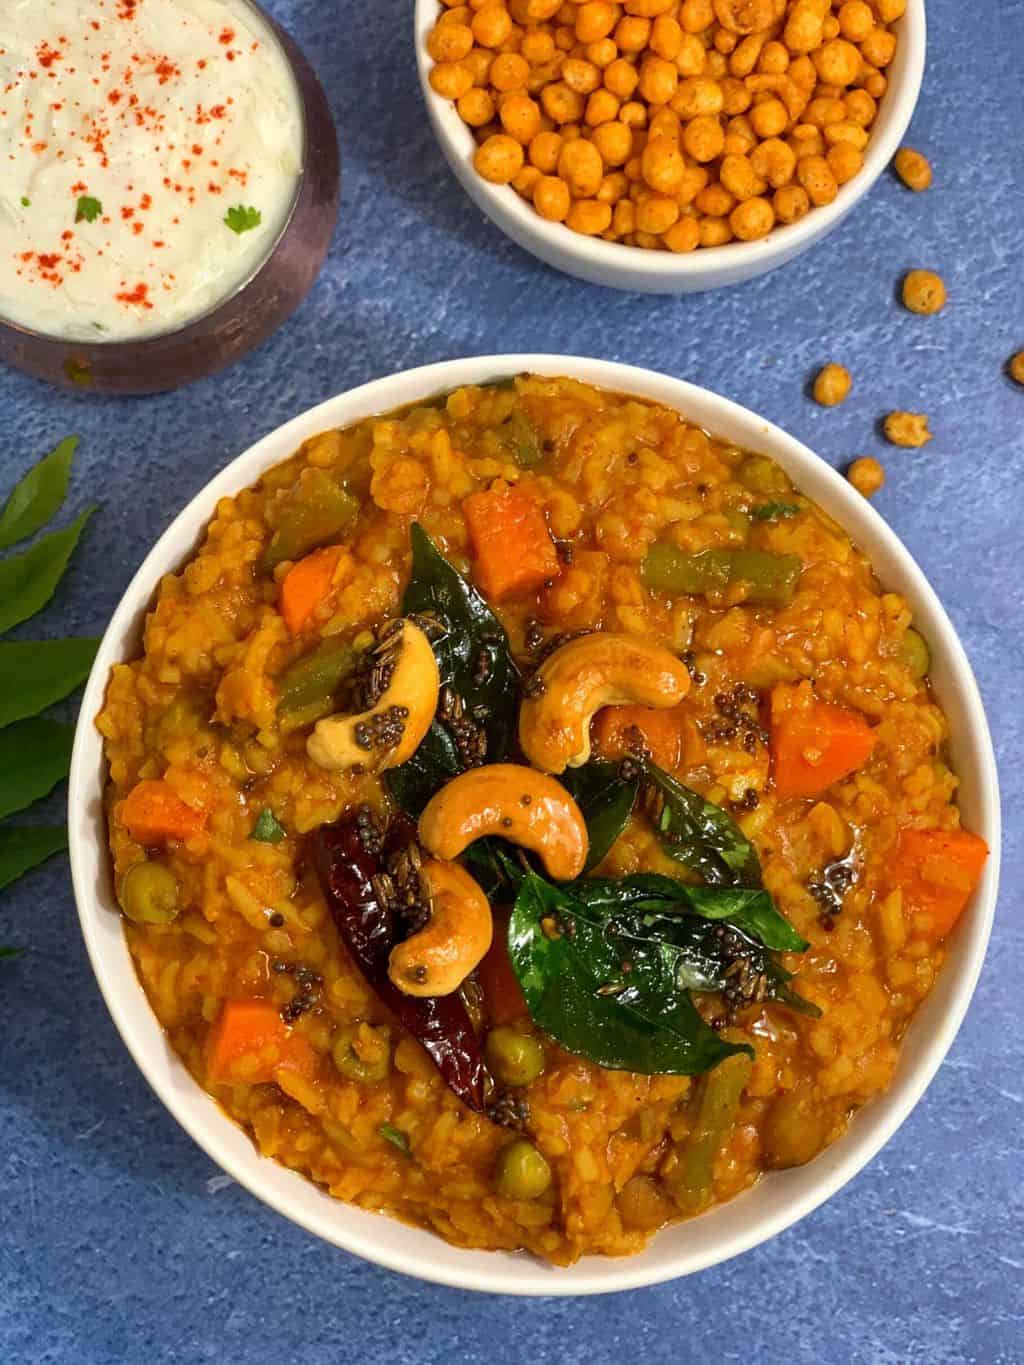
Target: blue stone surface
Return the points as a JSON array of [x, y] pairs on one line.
[[119, 1241]]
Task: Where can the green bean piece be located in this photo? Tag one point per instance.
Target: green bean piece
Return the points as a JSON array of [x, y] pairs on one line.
[[514, 1058], [526, 448], [308, 686], [315, 512], [915, 653], [690, 1181], [521, 1172], [666, 568], [352, 1064], [149, 894], [772, 578]]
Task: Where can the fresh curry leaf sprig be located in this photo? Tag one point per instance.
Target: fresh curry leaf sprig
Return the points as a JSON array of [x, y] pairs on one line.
[[39, 496], [35, 752], [25, 847], [36, 673], [29, 580]]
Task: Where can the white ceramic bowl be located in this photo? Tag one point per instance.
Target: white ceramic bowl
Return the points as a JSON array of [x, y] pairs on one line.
[[780, 1198], [662, 272]]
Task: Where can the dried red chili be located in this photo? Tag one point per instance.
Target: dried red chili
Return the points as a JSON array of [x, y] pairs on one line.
[[347, 863]]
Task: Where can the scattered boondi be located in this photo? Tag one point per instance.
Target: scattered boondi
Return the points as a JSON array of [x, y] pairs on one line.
[[924, 292], [832, 385], [866, 475], [913, 169], [907, 429]]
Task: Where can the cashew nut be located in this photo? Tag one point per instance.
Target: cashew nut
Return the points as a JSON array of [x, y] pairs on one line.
[[391, 730], [438, 959], [582, 676], [522, 805]]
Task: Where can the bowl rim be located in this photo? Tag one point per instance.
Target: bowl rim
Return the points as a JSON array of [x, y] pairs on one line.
[[744, 258], [356, 1230], [287, 47]]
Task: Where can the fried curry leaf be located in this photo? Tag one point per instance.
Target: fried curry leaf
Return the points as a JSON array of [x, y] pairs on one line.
[[752, 911], [34, 756], [24, 847], [699, 834], [414, 782], [606, 801], [620, 1001], [38, 496], [29, 580], [36, 673], [474, 661], [11, 952]]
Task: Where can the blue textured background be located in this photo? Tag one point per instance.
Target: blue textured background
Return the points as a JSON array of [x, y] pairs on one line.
[[119, 1241]]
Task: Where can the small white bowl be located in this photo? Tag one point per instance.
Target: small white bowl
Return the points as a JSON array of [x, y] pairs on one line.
[[662, 272], [777, 1200]]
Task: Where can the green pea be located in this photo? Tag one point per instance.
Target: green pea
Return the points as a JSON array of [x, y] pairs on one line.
[[149, 894], [915, 653], [352, 1065], [514, 1058], [521, 1172]]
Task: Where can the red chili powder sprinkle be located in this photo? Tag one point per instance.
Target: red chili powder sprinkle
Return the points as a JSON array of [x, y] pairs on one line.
[[137, 228], [166, 70], [139, 295], [227, 35], [115, 97], [47, 55]]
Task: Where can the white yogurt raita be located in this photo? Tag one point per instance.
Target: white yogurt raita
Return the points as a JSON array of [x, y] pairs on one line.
[[151, 152]]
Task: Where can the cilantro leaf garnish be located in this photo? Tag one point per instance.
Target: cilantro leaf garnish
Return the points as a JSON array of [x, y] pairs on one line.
[[88, 209], [242, 219]]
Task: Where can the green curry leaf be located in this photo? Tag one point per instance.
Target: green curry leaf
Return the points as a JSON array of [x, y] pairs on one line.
[[620, 1001], [11, 952], [29, 580], [39, 495], [699, 834], [25, 847], [36, 673], [34, 756]]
